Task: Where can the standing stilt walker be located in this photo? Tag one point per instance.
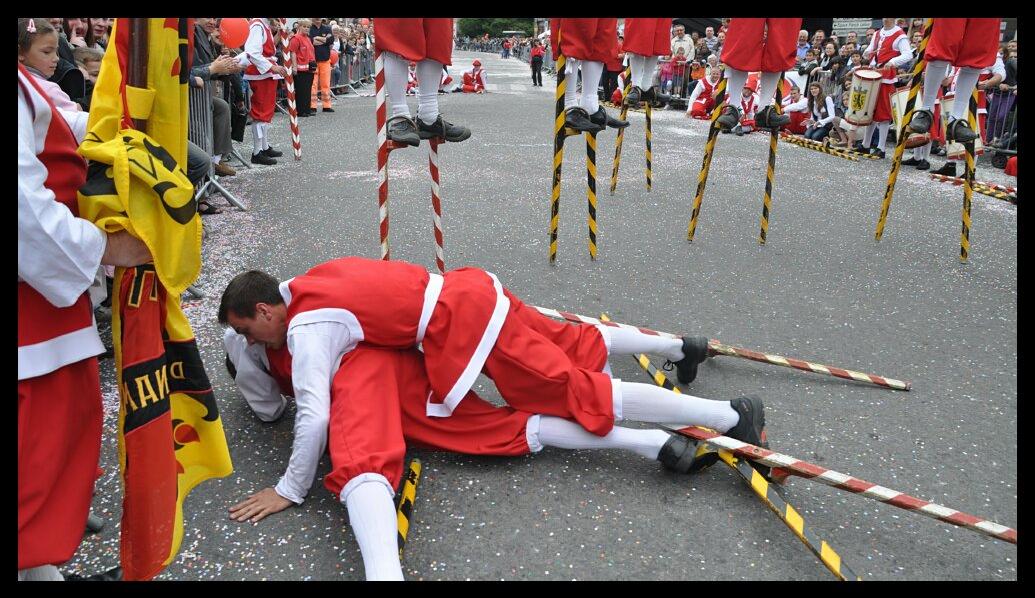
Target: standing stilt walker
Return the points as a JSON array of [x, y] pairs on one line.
[[766, 45], [586, 44]]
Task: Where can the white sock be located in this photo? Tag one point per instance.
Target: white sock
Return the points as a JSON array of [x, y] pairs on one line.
[[882, 134], [265, 136], [396, 72], [216, 159], [735, 81], [933, 75], [965, 84], [767, 88], [631, 342], [649, 403], [427, 107], [375, 523], [923, 152], [591, 72], [868, 135], [257, 137], [41, 573], [571, 72], [562, 433], [636, 68], [649, 64]]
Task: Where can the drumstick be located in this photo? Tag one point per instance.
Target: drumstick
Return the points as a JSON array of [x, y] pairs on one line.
[[900, 142]]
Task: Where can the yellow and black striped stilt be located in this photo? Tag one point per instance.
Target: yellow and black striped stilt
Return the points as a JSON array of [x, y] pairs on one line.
[[819, 147], [621, 132], [709, 149], [404, 510], [591, 191], [647, 113], [764, 490], [770, 172], [968, 180], [558, 158], [900, 142]]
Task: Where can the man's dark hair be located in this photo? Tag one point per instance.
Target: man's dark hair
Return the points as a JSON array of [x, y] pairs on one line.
[[244, 291]]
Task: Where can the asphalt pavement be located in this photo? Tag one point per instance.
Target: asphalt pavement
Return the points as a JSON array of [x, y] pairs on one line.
[[820, 289]]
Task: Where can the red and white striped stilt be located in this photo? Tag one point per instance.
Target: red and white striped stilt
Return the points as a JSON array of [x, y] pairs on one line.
[[955, 180], [716, 347], [289, 80], [842, 481], [384, 147], [436, 203]]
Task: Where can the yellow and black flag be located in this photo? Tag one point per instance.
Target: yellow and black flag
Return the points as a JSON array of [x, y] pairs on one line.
[[170, 434]]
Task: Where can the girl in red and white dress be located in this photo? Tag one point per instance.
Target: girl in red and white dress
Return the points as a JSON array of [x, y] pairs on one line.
[[888, 50], [474, 79]]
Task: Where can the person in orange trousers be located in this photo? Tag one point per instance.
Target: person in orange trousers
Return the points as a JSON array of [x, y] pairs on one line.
[[322, 37]]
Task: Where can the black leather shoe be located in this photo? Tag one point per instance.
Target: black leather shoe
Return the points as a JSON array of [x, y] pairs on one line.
[[109, 575], [695, 351], [602, 119], [261, 158], [272, 153], [959, 130], [403, 130], [923, 165], [578, 119], [877, 152], [442, 128], [949, 169], [910, 162], [921, 121], [768, 119], [633, 99], [729, 118], [751, 427], [653, 96], [328, 109], [681, 455]]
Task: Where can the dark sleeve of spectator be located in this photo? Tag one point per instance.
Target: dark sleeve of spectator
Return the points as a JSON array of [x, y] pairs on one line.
[[85, 100], [70, 79]]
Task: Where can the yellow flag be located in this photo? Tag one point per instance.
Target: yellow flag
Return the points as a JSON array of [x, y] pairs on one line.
[[170, 434]]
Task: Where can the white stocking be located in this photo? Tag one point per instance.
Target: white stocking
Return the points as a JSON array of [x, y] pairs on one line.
[[396, 73], [649, 64], [933, 75], [375, 523], [649, 403], [571, 76], [965, 84], [882, 134], [767, 88], [636, 68], [623, 341], [591, 72], [734, 84], [257, 137], [566, 434], [428, 71]]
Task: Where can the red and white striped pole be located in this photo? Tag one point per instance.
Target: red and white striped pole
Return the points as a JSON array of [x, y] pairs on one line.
[[289, 80], [382, 151], [793, 466], [716, 347], [436, 202]]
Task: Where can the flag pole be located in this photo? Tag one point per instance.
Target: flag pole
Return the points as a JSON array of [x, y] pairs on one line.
[[137, 63]]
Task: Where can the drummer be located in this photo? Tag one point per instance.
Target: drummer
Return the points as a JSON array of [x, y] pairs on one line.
[[888, 50]]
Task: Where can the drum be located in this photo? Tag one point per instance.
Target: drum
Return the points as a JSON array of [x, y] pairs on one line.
[[954, 150], [862, 98]]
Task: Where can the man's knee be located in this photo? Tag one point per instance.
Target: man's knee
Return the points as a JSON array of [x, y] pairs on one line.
[[197, 163]]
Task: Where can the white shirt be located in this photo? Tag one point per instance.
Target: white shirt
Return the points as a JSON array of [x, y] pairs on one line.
[[252, 53], [687, 43], [817, 114], [802, 105], [58, 253], [905, 53]]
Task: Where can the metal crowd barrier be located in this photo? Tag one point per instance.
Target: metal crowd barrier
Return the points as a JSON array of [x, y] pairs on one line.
[[1001, 125], [199, 132]]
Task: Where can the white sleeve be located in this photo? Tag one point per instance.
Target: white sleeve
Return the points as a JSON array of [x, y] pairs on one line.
[[830, 112], [58, 253], [905, 53], [316, 350], [77, 122], [871, 47], [999, 68], [693, 96], [252, 53], [259, 388]]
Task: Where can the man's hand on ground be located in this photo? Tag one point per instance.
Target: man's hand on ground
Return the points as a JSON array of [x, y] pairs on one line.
[[257, 506]]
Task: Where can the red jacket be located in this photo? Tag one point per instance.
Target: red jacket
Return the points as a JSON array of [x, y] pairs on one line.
[[302, 51]]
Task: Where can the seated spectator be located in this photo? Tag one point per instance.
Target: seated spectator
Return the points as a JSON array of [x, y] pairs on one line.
[[702, 101], [843, 133], [821, 113], [474, 80], [748, 107], [797, 107], [210, 65], [37, 51]]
